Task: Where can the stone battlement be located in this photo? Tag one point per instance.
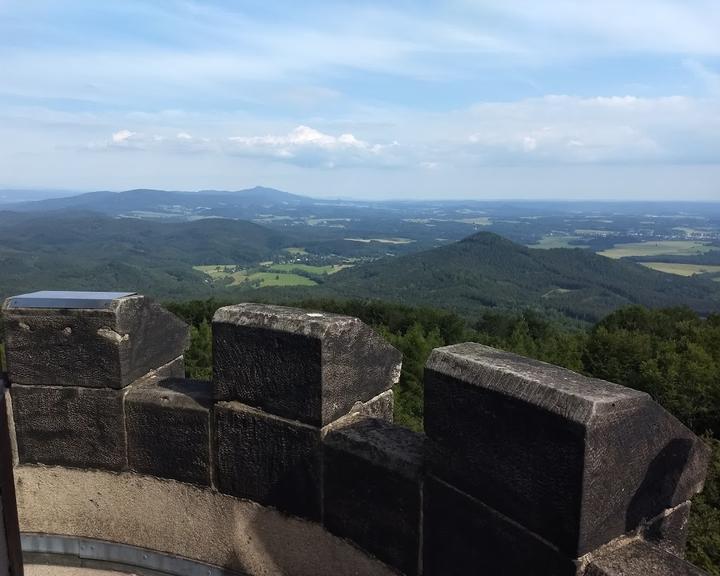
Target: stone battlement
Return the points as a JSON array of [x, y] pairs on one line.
[[288, 462]]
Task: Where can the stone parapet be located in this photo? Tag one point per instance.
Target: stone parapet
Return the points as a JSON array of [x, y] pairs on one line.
[[109, 345], [525, 469], [373, 489], [574, 461], [306, 366]]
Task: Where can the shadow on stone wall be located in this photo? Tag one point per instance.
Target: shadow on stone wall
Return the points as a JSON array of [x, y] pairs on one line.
[[660, 485]]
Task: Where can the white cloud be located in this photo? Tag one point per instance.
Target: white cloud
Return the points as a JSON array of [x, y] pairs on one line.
[[308, 146], [552, 130], [566, 129], [125, 136], [125, 139]]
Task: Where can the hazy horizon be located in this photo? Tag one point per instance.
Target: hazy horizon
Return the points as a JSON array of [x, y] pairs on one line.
[[37, 194], [464, 100]]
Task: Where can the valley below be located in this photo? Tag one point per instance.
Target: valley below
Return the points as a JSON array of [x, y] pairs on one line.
[[579, 260]]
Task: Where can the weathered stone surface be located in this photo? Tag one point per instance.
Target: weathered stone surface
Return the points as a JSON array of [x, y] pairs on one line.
[[268, 459], [183, 520], [373, 489], [669, 531], [92, 348], [81, 427], [639, 558], [173, 369], [380, 407], [307, 366], [463, 536], [168, 428], [576, 460]]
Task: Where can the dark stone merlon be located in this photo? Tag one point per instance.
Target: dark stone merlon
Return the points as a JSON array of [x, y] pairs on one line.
[[463, 536], [578, 461], [373, 489], [75, 426], [268, 459], [639, 558], [274, 460], [306, 366], [168, 428], [106, 347], [69, 426]]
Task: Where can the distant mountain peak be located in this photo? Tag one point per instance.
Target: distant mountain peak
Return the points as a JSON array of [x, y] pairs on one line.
[[244, 204], [489, 239], [485, 269]]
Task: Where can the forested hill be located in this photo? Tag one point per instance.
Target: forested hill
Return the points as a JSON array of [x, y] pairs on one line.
[[488, 270], [74, 251], [83, 250], [165, 203]]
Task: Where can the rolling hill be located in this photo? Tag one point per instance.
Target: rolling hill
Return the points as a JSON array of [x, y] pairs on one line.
[[486, 270], [169, 204], [85, 250]]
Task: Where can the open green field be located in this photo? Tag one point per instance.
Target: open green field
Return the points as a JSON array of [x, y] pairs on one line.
[[251, 277], [479, 221], [657, 248], [382, 240], [328, 269], [547, 242], [689, 231], [271, 279], [295, 251], [216, 271], [332, 222], [681, 269], [593, 232], [556, 292]]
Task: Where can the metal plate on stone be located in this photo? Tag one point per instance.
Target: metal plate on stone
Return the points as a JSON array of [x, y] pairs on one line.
[[65, 299]]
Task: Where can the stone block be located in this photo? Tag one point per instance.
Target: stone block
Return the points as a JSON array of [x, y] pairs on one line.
[[639, 558], [69, 426], [578, 461], [96, 348], [173, 369], [669, 531], [463, 536], [306, 366], [268, 459], [168, 428], [373, 489], [380, 407]]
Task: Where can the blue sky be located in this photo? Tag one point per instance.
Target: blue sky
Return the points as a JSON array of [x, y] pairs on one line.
[[473, 99]]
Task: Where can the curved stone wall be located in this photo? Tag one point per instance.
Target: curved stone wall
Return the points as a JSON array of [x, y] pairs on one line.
[[288, 462], [183, 520]]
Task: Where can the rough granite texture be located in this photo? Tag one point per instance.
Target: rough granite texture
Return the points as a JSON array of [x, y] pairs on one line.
[[373, 489], [268, 459], [669, 531], [79, 427], [549, 448], [91, 348], [380, 407], [639, 558], [168, 428], [462, 536], [182, 519], [394, 448], [306, 366]]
